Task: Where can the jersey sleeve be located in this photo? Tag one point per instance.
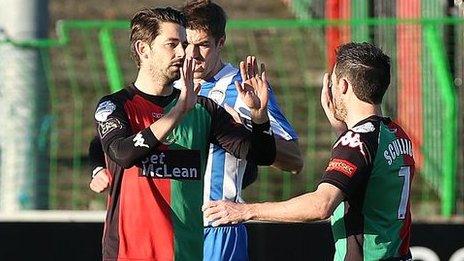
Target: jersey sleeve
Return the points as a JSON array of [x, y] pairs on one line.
[[250, 175], [96, 156], [279, 123], [350, 164], [257, 145], [118, 140]]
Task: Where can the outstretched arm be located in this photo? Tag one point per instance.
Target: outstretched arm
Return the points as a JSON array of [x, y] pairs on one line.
[[317, 205]]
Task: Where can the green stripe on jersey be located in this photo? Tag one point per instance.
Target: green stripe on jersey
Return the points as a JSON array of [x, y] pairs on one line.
[[339, 232], [187, 195], [382, 202]]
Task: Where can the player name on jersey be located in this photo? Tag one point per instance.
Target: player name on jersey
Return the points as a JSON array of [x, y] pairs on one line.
[[397, 148], [172, 164]]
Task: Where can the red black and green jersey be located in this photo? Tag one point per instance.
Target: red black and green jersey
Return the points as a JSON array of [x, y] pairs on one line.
[[373, 165], [154, 205]]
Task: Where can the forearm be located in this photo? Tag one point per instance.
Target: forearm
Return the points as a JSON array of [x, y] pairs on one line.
[[317, 205], [127, 151], [299, 209], [163, 127], [288, 156]]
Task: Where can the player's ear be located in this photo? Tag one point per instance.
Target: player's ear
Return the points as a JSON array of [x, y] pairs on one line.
[[344, 84], [142, 49], [221, 42]]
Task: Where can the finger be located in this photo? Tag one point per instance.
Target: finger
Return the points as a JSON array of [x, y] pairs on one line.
[[230, 110], [211, 211], [235, 115], [263, 72], [255, 65], [325, 89], [101, 184], [188, 73], [243, 71], [208, 204], [250, 73], [239, 88], [193, 62], [216, 216], [211, 204], [104, 176], [182, 78], [104, 184], [218, 222], [94, 187]]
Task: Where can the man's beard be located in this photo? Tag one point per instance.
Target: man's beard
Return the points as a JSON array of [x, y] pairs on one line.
[[171, 77], [340, 110], [167, 77]]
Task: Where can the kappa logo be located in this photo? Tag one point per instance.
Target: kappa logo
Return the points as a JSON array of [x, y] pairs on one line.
[[351, 140], [104, 110], [139, 141]]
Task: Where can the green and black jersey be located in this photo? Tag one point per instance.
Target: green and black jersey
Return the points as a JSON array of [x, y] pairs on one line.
[[156, 194], [373, 165]]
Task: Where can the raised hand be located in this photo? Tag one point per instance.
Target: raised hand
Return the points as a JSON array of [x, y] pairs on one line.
[[254, 89], [188, 91], [328, 106]]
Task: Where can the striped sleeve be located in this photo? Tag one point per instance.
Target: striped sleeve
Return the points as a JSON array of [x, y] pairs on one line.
[[279, 123]]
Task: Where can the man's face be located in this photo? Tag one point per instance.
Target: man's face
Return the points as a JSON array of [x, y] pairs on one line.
[[206, 52], [339, 104], [166, 52]]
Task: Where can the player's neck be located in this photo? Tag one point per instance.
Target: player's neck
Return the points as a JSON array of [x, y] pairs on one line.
[[150, 84], [360, 112], [217, 67]]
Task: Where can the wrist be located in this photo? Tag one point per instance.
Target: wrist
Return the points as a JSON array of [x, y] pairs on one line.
[[96, 170], [250, 212], [259, 116], [179, 110]]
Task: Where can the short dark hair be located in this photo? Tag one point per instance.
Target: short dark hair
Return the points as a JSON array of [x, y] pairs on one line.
[[207, 16], [366, 67], [146, 22]]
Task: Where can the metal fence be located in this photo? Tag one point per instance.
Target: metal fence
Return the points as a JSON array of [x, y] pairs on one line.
[[91, 58]]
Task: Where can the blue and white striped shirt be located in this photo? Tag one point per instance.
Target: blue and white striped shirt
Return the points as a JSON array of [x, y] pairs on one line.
[[224, 173]]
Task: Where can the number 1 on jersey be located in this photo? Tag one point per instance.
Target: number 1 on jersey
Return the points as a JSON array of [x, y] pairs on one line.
[[404, 172]]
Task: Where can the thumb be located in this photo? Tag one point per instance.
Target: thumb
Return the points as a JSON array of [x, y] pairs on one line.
[[232, 113]]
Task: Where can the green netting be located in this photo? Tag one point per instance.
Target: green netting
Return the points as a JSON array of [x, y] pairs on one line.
[[91, 58]]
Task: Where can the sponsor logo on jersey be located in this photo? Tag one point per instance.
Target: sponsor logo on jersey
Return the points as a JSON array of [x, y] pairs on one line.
[[108, 126], [157, 115], [217, 96], [351, 140], [173, 164], [104, 110], [139, 141], [364, 128], [397, 148], [342, 166]]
